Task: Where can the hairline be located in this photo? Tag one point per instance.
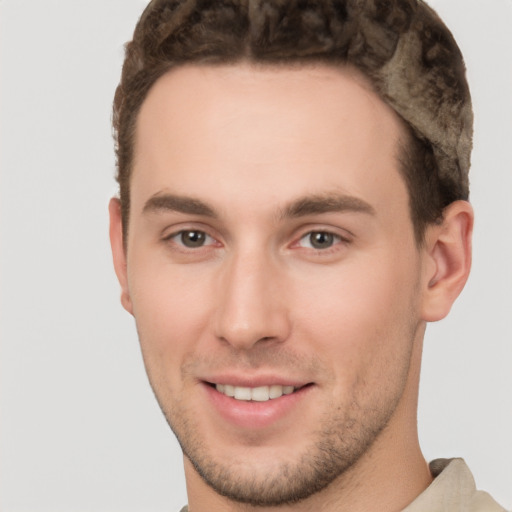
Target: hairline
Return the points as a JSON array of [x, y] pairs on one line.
[[403, 143]]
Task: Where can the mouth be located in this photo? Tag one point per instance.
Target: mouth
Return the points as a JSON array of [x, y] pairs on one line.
[[256, 394], [260, 405]]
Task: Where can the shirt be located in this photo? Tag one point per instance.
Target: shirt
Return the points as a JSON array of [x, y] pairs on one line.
[[453, 490]]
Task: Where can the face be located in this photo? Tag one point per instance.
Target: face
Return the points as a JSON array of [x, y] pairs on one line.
[[271, 256]]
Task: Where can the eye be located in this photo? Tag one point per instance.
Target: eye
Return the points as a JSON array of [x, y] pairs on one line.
[[191, 238], [319, 240]]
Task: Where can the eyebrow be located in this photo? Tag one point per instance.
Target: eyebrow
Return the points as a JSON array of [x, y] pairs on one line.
[[182, 204], [326, 203], [304, 206]]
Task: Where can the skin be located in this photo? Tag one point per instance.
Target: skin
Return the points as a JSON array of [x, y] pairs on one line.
[[257, 159]]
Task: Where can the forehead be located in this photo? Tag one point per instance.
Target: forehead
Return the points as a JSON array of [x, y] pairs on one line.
[[231, 132]]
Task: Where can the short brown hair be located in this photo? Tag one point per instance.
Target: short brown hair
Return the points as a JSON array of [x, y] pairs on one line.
[[401, 46]]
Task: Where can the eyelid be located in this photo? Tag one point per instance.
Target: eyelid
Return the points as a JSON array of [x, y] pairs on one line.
[[341, 233], [178, 230], [309, 233], [178, 235], [343, 238]]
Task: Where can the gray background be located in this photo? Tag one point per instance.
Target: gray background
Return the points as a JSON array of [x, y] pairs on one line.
[[80, 430]]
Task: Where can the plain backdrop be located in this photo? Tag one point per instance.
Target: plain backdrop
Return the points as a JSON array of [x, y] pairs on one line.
[[80, 429]]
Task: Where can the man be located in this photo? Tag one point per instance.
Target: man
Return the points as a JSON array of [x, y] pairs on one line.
[[293, 211]]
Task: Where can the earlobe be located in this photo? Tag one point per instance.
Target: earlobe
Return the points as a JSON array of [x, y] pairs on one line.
[[118, 251], [448, 260]]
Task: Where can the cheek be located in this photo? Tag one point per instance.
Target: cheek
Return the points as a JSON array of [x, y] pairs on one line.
[[171, 306], [362, 316]]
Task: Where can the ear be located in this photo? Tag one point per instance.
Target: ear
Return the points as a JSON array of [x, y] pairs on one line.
[[448, 260], [118, 252]]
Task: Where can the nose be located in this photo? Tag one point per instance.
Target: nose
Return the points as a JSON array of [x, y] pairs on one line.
[[251, 305]]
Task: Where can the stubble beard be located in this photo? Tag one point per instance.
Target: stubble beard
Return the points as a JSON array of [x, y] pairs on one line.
[[344, 436], [346, 432]]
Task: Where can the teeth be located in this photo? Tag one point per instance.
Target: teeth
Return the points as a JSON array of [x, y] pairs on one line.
[[275, 391], [259, 394], [242, 393]]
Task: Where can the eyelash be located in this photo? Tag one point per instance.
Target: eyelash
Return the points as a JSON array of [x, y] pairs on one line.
[[336, 239], [177, 242], [170, 238]]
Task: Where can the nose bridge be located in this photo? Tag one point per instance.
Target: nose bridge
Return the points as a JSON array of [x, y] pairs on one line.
[[250, 307]]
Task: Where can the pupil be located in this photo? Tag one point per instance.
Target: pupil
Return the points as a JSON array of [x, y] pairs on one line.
[[321, 240], [193, 238]]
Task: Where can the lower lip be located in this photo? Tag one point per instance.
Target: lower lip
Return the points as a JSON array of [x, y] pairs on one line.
[[252, 414]]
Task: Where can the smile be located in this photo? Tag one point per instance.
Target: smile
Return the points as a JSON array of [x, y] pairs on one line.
[[258, 394], [260, 405]]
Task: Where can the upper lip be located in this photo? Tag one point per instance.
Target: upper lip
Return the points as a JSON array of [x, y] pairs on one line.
[[254, 381]]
